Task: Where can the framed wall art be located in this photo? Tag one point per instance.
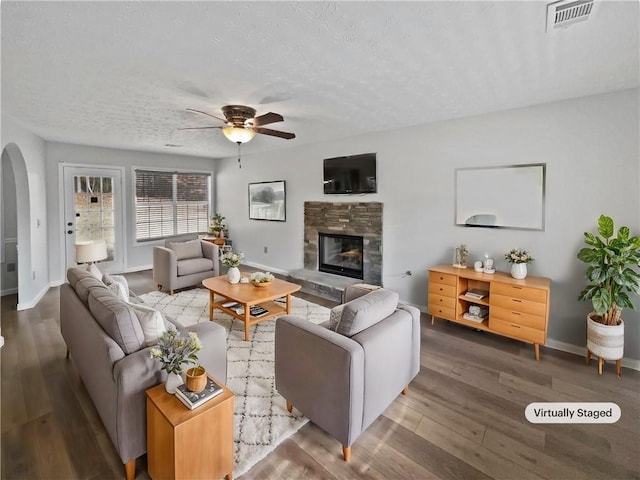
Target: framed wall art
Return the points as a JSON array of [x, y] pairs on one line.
[[267, 201]]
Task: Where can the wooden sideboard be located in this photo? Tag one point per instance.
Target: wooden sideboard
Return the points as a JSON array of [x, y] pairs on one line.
[[518, 309]]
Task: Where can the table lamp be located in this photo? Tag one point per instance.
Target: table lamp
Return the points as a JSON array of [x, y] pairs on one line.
[[91, 252]]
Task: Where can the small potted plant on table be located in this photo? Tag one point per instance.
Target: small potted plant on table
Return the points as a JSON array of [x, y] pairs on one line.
[[612, 274], [173, 351]]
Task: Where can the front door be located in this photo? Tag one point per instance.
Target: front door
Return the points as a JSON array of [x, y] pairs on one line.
[[93, 211]]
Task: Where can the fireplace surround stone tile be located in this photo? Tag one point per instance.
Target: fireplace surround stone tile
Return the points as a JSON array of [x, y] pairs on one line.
[[347, 218]]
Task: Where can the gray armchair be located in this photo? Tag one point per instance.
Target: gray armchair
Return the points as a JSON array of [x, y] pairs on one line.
[[343, 374], [184, 264]]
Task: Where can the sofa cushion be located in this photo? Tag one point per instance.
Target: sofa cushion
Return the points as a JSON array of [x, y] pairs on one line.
[[85, 285], [194, 265], [76, 273], [184, 250], [117, 319], [363, 312]]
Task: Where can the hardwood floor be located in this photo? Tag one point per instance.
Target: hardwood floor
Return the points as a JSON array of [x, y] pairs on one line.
[[463, 417]]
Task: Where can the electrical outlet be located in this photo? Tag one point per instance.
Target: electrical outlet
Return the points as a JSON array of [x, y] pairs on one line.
[[266, 250]]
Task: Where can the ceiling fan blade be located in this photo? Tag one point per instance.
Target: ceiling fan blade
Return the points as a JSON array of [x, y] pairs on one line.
[[267, 118], [274, 133], [207, 114], [197, 128]]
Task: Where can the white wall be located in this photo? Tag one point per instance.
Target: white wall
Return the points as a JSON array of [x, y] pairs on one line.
[[8, 229], [590, 146], [139, 256], [27, 153]]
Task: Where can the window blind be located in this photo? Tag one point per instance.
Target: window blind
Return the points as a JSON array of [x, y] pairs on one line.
[[171, 203]]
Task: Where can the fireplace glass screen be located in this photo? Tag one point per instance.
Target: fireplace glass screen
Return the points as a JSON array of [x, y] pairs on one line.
[[341, 254]]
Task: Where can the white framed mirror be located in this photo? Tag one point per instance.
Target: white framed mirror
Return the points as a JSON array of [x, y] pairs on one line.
[[509, 196]]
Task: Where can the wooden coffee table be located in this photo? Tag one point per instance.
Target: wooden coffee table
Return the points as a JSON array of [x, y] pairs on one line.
[[246, 295]]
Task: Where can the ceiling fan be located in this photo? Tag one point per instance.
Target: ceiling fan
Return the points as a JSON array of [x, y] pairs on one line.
[[241, 123]]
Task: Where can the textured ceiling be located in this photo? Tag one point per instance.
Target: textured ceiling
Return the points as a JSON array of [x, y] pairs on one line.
[[123, 74]]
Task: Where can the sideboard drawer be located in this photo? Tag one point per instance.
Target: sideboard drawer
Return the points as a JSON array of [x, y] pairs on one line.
[[442, 312], [514, 330], [445, 278], [516, 291], [513, 316], [441, 289], [517, 304], [441, 301]]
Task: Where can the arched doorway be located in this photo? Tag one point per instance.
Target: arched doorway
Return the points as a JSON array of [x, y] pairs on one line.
[[16, 204]]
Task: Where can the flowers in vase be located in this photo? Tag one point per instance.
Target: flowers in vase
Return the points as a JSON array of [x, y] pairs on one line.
[[231, 259], [518, 256], [173, 350], [261, 277]]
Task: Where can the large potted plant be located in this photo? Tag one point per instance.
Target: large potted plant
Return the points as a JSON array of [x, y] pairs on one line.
[[613, 260], [218, 228]]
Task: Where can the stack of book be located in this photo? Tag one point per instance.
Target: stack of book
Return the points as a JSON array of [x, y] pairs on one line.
[[476, 313], [195, 399], [476, 293]]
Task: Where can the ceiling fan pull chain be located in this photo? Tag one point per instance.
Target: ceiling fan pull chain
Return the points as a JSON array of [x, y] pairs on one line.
[[239, 164]]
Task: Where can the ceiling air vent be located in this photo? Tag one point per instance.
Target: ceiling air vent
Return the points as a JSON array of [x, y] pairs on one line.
[[567, 12]]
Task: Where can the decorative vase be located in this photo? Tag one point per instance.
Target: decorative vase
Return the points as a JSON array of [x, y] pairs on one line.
[[519, 270], [174, 380], [233, 275], [196, 379], [605, 341]]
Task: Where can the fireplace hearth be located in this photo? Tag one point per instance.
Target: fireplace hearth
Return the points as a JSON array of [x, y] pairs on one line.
[[341, 255]]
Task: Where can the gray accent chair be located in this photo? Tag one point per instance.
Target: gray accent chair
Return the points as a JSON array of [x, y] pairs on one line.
[[184, 264], [105, 340], [343, 380]]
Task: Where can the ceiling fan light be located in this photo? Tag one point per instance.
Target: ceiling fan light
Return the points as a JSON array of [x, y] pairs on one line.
[[238, 134]]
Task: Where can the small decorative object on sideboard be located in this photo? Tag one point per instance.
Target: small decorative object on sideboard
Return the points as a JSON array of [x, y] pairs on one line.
[[488, 265], [173, 350], [460, 256], [612, 273], [261, 279], [518, 259]]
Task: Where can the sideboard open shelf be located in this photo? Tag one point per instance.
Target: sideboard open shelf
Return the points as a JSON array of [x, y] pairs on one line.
[[518, 309]]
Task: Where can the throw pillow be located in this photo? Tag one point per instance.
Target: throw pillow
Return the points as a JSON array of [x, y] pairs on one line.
[[152, 323], [363, 312], [118, 290], [334, 317], [95, 271], [109, 280], [190, 249]]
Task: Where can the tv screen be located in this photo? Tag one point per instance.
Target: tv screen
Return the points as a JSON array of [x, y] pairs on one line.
[[351, 174]]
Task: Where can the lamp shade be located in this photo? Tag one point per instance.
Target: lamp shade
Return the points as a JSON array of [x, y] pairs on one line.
[[238, 134], [93, 251]]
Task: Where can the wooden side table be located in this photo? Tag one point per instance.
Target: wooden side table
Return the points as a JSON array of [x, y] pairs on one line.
[[193, 444]]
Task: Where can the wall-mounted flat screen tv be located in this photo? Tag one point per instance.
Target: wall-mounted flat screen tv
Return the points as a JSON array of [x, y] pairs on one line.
[[351, 174]]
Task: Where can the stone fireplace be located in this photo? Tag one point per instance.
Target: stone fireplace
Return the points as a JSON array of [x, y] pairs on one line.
[[342, 221]]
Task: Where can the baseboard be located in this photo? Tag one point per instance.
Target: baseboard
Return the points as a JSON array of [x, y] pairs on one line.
[[34, 302], [266, 268], [631, 363], [138, 269]]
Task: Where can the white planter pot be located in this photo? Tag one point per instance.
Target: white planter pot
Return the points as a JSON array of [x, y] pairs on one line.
[[519, 270], [605, 341], [233, 275]]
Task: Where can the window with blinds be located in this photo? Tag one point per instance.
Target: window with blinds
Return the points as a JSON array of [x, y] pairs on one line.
[[171, 203]]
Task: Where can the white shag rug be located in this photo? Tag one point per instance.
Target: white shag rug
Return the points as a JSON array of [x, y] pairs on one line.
[[261, 420]]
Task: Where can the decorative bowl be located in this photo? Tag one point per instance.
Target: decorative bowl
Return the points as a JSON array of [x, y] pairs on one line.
[[261, 284]]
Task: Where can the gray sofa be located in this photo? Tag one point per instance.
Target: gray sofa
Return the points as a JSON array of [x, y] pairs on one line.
[[344, 373], [107, 345], [184, 264]]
